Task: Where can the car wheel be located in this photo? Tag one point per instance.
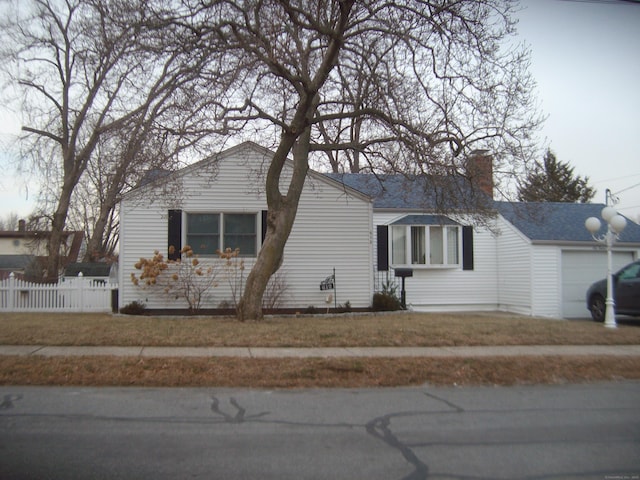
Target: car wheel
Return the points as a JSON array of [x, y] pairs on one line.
[[597, 307]]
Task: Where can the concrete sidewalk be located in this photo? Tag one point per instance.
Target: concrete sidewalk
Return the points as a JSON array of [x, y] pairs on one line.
[[388, 352]]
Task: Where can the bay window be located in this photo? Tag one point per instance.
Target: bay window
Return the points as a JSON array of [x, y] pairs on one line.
[[428, 245]]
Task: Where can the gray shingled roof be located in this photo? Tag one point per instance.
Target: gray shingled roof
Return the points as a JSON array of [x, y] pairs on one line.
[[560, 222], [88, 269], [17, 262], [544, 221], [425, 220], [415, 192]]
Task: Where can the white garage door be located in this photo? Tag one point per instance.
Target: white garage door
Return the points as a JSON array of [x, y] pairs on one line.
[[579, 270]]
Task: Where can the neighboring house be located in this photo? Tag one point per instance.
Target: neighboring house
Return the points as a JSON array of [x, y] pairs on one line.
[[220, 202], [24, 252], [535, 259], [16, 264], [98, 272]]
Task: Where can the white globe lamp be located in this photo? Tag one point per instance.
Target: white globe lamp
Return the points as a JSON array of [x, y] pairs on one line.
[[615, 225], [592, 224]]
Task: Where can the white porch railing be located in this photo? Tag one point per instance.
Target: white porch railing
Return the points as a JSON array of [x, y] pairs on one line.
[[71, 295]]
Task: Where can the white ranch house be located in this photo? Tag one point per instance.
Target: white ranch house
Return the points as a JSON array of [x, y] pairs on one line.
[[535, 259]]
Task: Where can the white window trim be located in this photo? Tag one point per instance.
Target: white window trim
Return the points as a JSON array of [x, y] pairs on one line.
[[428, 265]]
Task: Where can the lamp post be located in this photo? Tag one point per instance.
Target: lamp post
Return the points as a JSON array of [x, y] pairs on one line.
[[615, 225]]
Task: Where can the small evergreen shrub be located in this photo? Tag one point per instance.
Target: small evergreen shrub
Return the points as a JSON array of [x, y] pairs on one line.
[[134, 308], [385, 302]]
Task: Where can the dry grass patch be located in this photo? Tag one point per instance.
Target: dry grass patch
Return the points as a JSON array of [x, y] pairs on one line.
[[400, 329], [308, 373]]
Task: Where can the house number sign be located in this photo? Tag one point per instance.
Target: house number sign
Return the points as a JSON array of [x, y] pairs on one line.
[[328, 283]]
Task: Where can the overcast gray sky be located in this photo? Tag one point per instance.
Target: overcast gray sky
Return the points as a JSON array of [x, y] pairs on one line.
[[586, 61]]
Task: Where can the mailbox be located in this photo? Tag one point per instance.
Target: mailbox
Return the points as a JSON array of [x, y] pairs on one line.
[[403, 273]]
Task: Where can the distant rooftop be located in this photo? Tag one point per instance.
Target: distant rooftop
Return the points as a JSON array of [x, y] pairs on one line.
[[88, 269]]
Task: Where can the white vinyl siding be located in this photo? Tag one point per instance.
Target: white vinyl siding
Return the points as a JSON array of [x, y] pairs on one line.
[[332, 230], [514, 270], [546, 281], [143, 230]]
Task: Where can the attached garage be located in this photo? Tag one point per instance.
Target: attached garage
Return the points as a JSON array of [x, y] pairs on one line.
[[557, 258], [580, 268]]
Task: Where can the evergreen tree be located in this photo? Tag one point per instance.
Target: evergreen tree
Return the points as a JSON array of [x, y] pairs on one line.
[[554, 181]]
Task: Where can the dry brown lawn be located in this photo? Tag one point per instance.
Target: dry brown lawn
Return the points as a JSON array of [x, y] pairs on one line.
[[403, 329], [399, 329], [311, 372]]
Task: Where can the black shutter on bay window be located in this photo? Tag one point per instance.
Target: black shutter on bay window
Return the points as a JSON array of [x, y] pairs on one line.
[[264, 224], [174, 236], [467, 248], [383, 247]]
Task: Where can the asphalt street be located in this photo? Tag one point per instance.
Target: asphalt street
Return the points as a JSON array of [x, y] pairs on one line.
[[526, 432]]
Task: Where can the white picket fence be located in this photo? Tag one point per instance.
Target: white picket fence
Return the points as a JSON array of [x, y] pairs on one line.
[[71, 295]]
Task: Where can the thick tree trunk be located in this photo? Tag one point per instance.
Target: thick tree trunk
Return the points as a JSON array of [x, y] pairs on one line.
[[53, 264], [279, 224], [95, 245], [96, 248], [280, 217], [282, 209]]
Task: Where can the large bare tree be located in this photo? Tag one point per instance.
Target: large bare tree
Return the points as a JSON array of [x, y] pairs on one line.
[[409, 84], [88, 71], [120, 162]]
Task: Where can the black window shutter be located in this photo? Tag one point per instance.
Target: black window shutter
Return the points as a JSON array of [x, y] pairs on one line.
[[264, 224], [467, 248], [174, 237], [383, 247]]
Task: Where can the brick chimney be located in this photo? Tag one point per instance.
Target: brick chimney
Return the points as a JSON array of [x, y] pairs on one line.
[[22, 226], [480, 170]]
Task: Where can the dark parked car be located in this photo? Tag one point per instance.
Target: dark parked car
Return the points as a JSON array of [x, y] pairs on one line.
[[626, 288]]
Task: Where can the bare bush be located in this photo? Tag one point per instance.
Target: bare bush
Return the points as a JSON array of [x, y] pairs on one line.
[[184, 278]]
